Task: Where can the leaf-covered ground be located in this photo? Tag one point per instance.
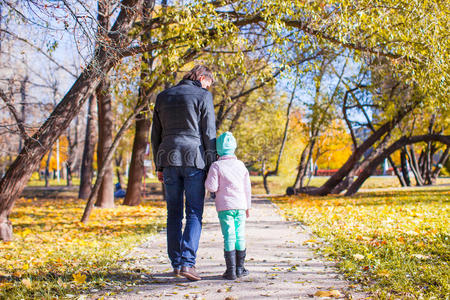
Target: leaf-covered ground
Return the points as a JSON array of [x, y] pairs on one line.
[[396, 243], [54, 255]]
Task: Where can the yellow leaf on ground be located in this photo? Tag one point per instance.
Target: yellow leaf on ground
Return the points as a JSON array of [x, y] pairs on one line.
[[332, 293], [358, 256], [27, 283], [384, 273], [79, 278], [311, 241]]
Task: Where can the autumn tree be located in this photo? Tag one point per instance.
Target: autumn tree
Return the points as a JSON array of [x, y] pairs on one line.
[[410, 42]]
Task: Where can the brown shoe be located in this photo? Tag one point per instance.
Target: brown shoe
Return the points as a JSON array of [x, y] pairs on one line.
[[190, 273], [176, 272]]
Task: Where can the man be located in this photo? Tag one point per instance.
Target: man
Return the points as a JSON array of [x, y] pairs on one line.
[[184, 146]]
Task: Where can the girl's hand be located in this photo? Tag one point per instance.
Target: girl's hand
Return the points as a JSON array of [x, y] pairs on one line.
[[247, 212]]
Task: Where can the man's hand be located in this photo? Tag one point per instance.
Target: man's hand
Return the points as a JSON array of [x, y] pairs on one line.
[[247, 212], [160, 176]]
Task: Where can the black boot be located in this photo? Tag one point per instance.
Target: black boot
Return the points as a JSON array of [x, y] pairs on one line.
[[230, 260], [240, 259]]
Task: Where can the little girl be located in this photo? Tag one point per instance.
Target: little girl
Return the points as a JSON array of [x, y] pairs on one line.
[[229, 179]]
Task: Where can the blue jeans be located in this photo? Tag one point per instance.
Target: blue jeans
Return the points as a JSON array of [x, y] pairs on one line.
[[182, 246]]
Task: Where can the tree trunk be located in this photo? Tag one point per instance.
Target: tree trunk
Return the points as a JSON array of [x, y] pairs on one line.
[[404, 167], [47, 164], [344, 184], [143, 123], [105, 130], [23, 96], [119, 176], [360, 166], [301, 167], [105, 118], [283, 142], [136, 171], [69, 174], [88, 153], [18, 174], [73, 152], [402, 142], [108, 158], [237, 116], [308, 160], [414, 166], [441, 162], [397, 173], [430, 152], [337, 177]]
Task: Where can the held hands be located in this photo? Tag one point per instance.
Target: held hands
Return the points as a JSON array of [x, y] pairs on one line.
[[160, 176]]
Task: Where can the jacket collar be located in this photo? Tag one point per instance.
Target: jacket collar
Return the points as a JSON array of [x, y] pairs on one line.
[[227, 157], [190, 82]]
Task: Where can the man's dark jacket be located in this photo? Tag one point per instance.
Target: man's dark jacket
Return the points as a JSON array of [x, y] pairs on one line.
[[184, 127]]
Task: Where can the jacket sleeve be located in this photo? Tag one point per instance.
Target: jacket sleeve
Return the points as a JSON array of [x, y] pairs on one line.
[[212, 180], [156, 136], [208, 128], [248, 189]]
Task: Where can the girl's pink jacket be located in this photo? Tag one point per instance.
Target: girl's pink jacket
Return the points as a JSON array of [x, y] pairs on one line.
[[229, 179]]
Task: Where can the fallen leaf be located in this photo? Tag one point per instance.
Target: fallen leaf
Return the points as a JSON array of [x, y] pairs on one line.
[[384, 273], [27, 283], [79, 278], [311, 241], [358, 256], [332, 293]]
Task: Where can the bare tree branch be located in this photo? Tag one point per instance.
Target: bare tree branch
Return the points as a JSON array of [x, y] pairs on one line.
[[15, 114], [39, 50]]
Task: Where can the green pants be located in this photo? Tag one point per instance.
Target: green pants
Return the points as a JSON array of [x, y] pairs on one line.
[[232, 223]]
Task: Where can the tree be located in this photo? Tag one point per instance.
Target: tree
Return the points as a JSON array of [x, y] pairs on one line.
[[320, 113], [283, 141], [142, 128], [208, 26], [88, 151], [36, 146]]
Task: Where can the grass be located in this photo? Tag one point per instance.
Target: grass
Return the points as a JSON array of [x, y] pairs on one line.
[[55, 256], [395, 243]]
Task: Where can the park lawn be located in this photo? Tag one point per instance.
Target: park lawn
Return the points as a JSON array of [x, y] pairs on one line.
[[55, 256], [395, 243]]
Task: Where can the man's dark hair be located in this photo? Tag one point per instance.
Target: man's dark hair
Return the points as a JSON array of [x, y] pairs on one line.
[[198, 71]]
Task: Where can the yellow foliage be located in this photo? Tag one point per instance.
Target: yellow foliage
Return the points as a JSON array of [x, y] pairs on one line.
[[397, 238], [334, 146], [63, 155], [79, 278], [50, 241]]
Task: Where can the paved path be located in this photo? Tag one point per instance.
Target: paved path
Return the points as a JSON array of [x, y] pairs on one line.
[[281, 264]]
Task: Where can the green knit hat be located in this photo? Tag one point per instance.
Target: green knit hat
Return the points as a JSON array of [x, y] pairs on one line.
[[226, 144]]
